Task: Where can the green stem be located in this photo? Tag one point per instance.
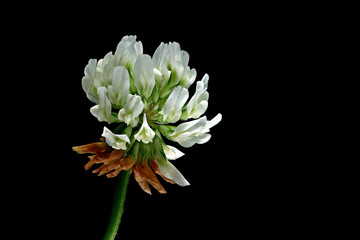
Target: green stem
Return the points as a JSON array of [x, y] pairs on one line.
[[118, 206]]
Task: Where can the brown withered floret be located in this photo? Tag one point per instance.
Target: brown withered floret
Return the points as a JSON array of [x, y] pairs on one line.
[[113, 161]]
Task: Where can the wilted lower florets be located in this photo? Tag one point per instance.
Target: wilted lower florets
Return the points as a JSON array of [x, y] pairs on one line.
[[143, 97]]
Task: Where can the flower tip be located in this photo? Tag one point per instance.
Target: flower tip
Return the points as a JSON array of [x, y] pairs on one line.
[[215, 120], [185, 183]]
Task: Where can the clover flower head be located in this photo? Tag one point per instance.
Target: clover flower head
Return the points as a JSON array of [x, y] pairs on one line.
[[145, 98]]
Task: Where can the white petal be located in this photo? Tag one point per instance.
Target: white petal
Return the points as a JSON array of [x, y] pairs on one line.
[[205, 80], [134, 122], [158, 76], [191, 76], [214, 121], [169, 171], [173, 106], [132, 109], [189, 133], [108, 59], [160, 60], [199, 95], [170, 102], [90, 68], [144, 78], [188, 78], [182, 97], [138, 48], [159, 57], [88, 87], [103, 110], [127, 51], [88, 81], [171, 152], [186, 140], [185, 58], [203, 138], [138, 106], [119, 89], [145, 134], [176, 63], [102, 96], [109, 136], [108, 74], [199, 110], [98, 112], [204, 97], [117, 141], [190, 127]]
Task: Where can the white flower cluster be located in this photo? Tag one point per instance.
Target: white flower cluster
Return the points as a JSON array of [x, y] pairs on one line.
[[146, 95]]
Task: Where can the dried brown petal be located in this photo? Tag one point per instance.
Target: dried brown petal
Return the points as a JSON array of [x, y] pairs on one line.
[[115, 164], [98, 158], [127, 163], [140, 178], [113, 173], [144, 175], [113, 161], [92, 148], [100, 168], [104, 170], [90, 163], [115, 154], [102, 156]]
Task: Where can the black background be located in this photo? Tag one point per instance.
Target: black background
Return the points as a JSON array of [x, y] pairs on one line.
[[234, 183]]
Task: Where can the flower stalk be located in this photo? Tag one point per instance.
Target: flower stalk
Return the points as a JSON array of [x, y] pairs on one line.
[[118, 206]]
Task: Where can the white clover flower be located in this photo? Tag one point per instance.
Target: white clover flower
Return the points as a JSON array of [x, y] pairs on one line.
[[88, 81], [199, 102], [160, 60], [103, 110], [172, 109], [104, 71], [117, 141], [144, 78], [131, 111], [127, 51], [169, 171], [171, 152], [144, 98], [119, 87], [170, 60], [178, 61], [196, 131], [145, 134]]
